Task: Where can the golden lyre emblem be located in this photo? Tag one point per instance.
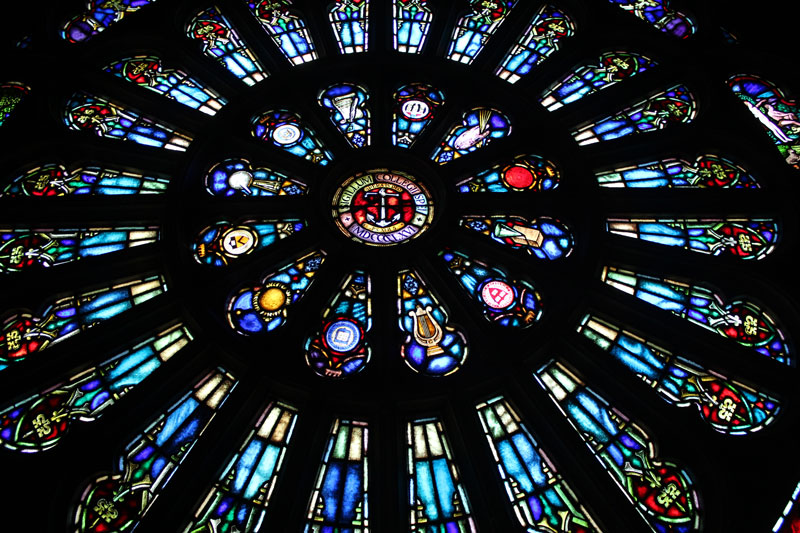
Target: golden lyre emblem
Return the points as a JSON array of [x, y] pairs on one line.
[[427, 330]]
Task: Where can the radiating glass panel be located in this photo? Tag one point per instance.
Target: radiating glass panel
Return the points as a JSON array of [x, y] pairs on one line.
[[263, 306], [726, 405], [350, 22], [55, 180], [415, 106], [412, 19], [542, 38], [11, 94], [541, 237], [789, 522], [676, 105], [741, 320], [659, 15], [478, 128], [42, 420], [287, 131], [347, 105], [474, 28], [524, 173], [286, 27], [238, 178], [117, 500], [98, 16], [222, 242], [339, 347], [705, 171], [661, 491]]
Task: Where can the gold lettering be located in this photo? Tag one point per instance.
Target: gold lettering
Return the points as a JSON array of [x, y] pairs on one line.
[[13, 340], [745, 243], [750, 325], [727, 409]]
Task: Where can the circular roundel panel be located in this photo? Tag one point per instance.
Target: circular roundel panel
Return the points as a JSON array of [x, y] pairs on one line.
[[397, 266]]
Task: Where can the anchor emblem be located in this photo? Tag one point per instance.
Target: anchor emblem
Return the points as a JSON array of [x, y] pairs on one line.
[[384, 218]]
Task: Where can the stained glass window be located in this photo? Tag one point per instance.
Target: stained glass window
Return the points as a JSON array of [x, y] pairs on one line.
[[537, 492], [474, 28], [56, 180], [437, 499], [662, 491], [524, 173], [706, 171], [116, 501], [540, 40], [543, 237], [347, 106], [98, 16], [415, 106], [149, 72], [350, 22], [237, 178], [285, 130], [612, 68], [412, 19], [790, 518], [478, 128], [728, 406], [659, 14], [222, 242], [674, 106], [11, 94], [286, 27]]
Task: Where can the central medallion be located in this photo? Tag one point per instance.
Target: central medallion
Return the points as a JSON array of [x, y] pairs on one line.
[[382, 208]]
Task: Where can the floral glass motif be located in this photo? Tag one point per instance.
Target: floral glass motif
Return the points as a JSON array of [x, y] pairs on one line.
[[221, 42], [705, 171], [789, 522], [347, 105], [676, 105], [412, 19], [537, 43], [117, 500], [222, 242], [778, 114], [748, 239], [23, 334], [150, 73], [415, 106], [474, 28], [478, 128], [433, 346], [239, 498], [42, 420], [339, 500], [657, 14], [437, 500], [350, 22], [541, 237], [740, 320], [286, 27], [524, 173], [237, 178], [99, 15], [541, 499], [112, 121], [261, 307], [662, 491], [285, 130], [612, 68], [29, 249], [339, 348], [726, 405], [11, 94], [503, 300], [56, 180]]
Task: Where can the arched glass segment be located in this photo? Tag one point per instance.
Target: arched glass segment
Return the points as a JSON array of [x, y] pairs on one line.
[[239, 498], [660, 490], [501, 299], [433, 346], [524, 173], [537, 43], [339, 500], [150, 73], [676, 105], [347, 105], [657, 14], [11, 94], [740, 320], [340, 348], [42, 420], [221, 42], [34, 249], [286, 27], [541, 499], [99, 15], [412, 19], [350, 22], [55, 180], [415, 106], [726, 405], [706, 171], [746, 239], [475, 27], [117, 500], [478, 128], [542, 237], [223, 242], [774, 110], [24, 334], [238, 178], [260, 307], [789, 522], [285, 130], [437, 500], [612, 68], [85, 112]]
